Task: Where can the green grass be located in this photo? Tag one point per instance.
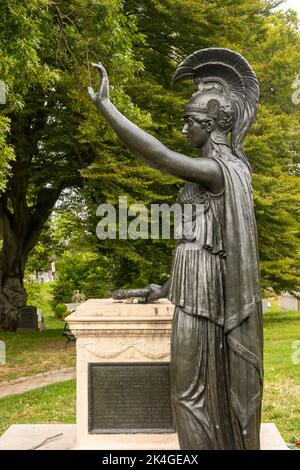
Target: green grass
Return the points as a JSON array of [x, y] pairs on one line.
[[32, 352], [281, 404], [282, 378], [51, 404]]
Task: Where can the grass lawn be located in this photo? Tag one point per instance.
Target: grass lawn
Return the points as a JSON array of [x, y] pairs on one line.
[[281, 403], [56, 403], [28, 353], [51, 404], [33, 352]]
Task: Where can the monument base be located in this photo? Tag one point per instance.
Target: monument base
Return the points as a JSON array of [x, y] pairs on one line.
[[122, 366], [28, 436]]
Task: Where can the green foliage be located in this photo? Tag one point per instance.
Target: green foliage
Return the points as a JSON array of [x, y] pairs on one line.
[[34, 291], [53, 44], [6, 152], [44, 251], [60, 141], [60, 311], [81, 271], [271, 43], [49, 123], [40, 295]]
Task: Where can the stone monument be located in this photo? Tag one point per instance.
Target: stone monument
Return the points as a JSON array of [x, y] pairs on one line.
[[123, 375], [216, 343]]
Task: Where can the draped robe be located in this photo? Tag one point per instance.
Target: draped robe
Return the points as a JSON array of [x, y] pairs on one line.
[[237, 387]]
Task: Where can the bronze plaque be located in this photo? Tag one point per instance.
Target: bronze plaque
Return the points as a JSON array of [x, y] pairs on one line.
[[129, 398]]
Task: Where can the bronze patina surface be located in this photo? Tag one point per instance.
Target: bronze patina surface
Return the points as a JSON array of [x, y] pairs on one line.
[[217, 342]]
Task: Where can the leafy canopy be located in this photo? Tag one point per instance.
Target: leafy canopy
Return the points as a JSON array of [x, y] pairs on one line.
[[58, 140]]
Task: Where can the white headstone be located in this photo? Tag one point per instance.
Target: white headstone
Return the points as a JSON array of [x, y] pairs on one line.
[[265, 305], [2, 352]]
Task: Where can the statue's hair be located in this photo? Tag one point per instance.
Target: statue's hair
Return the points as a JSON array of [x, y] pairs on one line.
[[237, 80]]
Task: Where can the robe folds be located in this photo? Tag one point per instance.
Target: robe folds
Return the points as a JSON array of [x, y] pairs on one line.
[[217, 340]]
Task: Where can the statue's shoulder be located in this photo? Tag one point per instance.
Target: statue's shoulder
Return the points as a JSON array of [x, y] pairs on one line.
[[232, 163], [237, 175]]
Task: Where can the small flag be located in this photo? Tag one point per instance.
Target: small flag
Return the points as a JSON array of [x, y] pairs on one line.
[[42, 325]]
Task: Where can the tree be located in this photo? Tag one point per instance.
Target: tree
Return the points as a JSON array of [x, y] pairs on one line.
[[60, 141], [274, 150], [80, 271], [46, 50]]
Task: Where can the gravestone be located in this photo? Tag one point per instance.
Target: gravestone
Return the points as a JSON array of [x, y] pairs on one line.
[[39, 314], [28, 319], [2, 352]]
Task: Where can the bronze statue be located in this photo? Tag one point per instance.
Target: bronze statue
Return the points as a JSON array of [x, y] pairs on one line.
[[216, 345]]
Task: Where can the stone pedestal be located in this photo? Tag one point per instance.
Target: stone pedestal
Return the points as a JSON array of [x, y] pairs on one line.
[[112, 332], [109, 331]]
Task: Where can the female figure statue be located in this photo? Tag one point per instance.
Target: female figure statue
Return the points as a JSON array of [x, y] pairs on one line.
[[216, 344]]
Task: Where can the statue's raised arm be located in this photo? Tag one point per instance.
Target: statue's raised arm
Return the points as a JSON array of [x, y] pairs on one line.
[[204, 170]]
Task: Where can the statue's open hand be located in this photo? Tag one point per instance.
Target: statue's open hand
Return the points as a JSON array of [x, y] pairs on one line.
[[103, 93], [150, 293], [156, 292]]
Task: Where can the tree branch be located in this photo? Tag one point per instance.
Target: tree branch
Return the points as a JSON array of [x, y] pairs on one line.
[[46, 200]]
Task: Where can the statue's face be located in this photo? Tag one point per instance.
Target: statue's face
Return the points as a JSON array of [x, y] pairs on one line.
[[197, 133]]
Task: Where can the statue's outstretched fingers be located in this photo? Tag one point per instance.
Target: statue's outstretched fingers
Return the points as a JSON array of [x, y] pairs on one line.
[[100, 67], [97, 65]]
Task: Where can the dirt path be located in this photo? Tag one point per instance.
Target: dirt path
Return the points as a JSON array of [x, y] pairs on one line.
[[25, 384]]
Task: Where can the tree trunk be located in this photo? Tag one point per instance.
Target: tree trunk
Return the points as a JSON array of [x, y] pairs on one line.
[[20, 231], [12, 299], [25, 206], [12, 265]]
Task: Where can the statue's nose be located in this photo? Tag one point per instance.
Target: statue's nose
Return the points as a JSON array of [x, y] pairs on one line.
[[185, 128]]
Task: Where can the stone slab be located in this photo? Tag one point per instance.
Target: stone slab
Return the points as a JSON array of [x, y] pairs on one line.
[[98, 312], [27, 436]]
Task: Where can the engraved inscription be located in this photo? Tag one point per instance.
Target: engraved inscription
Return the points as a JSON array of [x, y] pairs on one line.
[[129, 398]]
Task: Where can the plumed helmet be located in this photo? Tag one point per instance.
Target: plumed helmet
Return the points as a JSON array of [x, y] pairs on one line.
[[226, 84]]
